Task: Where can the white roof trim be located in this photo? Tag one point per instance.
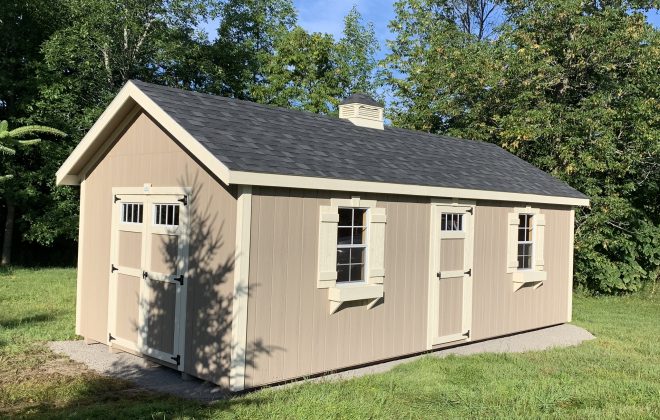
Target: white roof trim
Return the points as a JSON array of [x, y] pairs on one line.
[[313, 183], [130, 94]]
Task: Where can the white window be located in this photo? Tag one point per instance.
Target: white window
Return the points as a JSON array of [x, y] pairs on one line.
[[351, 244], [351, 251], [525, 247], [525, 241], [166, 214], [131, 212], [451, 222]]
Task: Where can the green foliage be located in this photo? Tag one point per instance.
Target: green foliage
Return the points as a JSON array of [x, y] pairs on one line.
[[569, 86]]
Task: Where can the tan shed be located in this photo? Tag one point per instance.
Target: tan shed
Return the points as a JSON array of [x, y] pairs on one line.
[[248, 245]]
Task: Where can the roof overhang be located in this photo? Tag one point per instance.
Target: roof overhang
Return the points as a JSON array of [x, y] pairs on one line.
[[130, 98]]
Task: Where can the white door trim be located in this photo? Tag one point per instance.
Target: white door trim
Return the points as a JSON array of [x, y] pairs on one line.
[[468, 209]]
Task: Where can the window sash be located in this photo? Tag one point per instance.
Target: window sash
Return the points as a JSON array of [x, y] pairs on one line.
[[353, 227], [526, 225]]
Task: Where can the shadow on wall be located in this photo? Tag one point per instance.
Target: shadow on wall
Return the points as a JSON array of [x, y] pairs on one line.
[[210, 292]]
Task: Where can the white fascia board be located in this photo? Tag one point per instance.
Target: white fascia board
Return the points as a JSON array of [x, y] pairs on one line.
[[289, 181]]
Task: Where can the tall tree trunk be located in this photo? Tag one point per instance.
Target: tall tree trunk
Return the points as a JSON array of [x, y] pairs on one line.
[[9, 232]]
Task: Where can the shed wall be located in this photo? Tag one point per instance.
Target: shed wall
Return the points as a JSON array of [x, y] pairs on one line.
[[145, 153], [496, 308], [290, 330]]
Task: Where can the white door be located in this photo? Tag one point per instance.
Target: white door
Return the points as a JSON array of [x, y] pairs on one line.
[[451, 281], [148, 266]]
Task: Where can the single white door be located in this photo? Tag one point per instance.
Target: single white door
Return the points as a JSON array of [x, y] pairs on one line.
[[148, 267], [451, 285]]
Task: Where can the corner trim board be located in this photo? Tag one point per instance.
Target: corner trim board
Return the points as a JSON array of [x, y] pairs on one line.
[[571, 245], [81, 259], [241, 285]]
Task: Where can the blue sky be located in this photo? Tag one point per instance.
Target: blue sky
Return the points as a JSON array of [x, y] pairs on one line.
[[328, 15]]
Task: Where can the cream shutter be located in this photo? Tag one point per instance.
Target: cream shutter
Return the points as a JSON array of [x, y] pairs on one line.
[[538, 241], [376, 244], [512, 243], [328, 220]]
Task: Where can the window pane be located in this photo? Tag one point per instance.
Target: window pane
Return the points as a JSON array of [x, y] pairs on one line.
[[344, 236], [358, 236], [527, 261], [360, 217], [170, 215], [342, 273], [140, 209], [163, 214], [357, 272], [522, 237], [345, 217], [343, 255], [443, 222], [176, 215], [357, 255]]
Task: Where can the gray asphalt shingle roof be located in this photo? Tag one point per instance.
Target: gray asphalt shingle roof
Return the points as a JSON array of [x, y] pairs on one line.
[[251, 137]]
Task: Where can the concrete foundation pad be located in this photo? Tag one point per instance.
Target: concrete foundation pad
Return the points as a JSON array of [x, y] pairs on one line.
[[147, 375]]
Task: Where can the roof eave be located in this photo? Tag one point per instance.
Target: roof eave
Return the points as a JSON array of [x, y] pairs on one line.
[[331, 184]]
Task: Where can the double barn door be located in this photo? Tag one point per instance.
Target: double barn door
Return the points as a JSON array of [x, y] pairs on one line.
[[147, 275]]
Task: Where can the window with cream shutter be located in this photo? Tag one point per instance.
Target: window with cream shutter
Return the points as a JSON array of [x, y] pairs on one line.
[[351, 260], [525, 238]]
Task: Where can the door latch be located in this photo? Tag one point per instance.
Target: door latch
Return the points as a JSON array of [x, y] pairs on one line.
[[145, 275], [177, 359], [469, 272], [113, 268], [179, 279]]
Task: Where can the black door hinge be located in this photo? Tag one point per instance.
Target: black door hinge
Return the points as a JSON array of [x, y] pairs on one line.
[[439, 275], [179, 279], [145, 275], [113, 268], [467, 334], [110, 337], [184, 200], [177, 359], [470, 210], [116, 198], [469, 272]]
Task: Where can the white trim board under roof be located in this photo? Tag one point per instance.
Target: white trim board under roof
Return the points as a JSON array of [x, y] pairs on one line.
[[334, 154]]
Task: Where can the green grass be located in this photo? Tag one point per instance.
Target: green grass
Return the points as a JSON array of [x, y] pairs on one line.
[[617, 375]]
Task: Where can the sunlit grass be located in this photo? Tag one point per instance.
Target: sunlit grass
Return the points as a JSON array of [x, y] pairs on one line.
[[616, 375]]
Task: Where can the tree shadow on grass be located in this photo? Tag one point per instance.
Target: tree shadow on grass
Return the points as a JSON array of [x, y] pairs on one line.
[[27, 320]]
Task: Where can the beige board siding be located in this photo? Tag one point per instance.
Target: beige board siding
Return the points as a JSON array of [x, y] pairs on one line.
[[290, 331], [130, 249], [451, 254], [496, 308], [128, 307], [450, 299], [144, 153], [163, 253], [161, 301]]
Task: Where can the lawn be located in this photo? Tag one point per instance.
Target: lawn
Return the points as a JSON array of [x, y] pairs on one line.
[[617, 375]]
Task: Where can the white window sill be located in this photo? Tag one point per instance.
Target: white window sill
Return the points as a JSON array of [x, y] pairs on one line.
[[350, 292], [528, 277]]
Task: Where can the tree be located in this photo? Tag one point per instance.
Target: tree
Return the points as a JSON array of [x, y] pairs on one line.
[[246, 41], [9, 141], [313, 72], [356, 55], [571, 87]]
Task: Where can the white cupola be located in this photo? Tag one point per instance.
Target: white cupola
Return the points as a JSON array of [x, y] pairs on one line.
[[362, 110]]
